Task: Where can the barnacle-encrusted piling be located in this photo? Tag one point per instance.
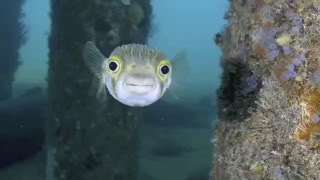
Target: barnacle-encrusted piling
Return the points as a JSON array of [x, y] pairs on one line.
[[13, 36], [273, 132], [87, 140]]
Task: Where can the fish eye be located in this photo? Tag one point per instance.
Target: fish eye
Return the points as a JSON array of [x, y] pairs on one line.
[[164, 68], [113, 65]]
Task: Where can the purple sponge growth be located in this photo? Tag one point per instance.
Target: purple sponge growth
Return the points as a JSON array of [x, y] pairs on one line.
[[273, 54], [291, 67], [249, 85], [297, 61], [286, 75], [297, 21], [315, 118], [286, 50]]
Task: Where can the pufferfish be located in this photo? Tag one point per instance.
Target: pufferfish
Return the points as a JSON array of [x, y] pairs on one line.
[[134, 74]]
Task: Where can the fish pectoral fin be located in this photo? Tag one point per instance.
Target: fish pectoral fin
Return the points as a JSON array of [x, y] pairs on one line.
[[180, 65], [93, 58], [101, 93]]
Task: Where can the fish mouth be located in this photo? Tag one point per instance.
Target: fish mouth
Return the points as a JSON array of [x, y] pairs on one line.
[[139, 86]]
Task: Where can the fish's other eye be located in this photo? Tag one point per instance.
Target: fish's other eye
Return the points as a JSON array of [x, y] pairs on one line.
[[113, 66], [165, 69]]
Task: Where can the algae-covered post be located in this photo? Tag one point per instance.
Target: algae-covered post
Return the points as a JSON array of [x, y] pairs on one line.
[[13, 35], [87, 140], [269, 100]]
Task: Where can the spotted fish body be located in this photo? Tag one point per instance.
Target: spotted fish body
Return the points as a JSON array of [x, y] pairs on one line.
[[134, 74]]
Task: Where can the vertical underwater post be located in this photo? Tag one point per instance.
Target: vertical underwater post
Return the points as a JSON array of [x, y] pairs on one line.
[[13, 36], [85, 140], [269, 99]]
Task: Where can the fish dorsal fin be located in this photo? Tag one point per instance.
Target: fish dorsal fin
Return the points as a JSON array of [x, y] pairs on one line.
[[93, 58]]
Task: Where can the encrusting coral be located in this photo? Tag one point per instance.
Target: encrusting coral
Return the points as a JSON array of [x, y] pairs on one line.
[[278, 41]]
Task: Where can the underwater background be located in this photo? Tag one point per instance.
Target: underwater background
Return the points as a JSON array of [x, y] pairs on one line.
[[173, 135]]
